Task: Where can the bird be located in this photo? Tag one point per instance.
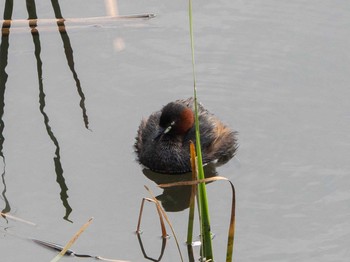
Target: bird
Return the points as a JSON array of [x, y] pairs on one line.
[[163, 139]]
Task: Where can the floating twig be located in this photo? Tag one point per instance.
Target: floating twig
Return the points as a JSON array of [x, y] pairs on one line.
[[7, 215], [70, 252], [78, 20], [71, 241]]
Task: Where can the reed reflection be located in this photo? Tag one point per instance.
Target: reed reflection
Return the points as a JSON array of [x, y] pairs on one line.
[[57, 159], [4, 47], [143, 250], [70, 58], [177, 198]]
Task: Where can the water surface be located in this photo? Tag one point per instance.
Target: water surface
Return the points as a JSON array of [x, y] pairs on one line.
[[71, 101]]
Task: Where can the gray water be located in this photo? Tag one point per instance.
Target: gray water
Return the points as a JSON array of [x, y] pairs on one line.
[[275, 71]]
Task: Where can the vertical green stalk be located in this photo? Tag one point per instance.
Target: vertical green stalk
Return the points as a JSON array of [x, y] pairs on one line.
[[207, 251]]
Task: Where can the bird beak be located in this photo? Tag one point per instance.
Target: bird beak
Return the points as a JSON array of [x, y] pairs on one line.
[[163, 131], [159, 134]]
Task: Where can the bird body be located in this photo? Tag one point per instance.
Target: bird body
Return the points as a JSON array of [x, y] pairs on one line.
[[163, 139]]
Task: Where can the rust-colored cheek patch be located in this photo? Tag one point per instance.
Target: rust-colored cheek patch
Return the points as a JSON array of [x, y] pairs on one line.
[[186, 121]]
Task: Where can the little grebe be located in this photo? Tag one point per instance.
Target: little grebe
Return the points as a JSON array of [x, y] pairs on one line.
[[162, 141]]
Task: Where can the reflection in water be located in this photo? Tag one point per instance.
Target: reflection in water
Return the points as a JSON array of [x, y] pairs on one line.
[[111, 7], [57, 159], [5, 31], [164, 239], [69, 56], [174, 199], [177, 198], [7, 207]]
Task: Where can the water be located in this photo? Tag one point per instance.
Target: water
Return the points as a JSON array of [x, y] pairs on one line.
[[275, 71]]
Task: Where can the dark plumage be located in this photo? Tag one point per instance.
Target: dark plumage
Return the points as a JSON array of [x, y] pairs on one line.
[[162, 141]]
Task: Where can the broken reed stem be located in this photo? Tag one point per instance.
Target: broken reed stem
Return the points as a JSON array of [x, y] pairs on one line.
[[78, 20], [7, 215], [138, 231], [193, 194], [167, 220], [231, 231], [72, 240]]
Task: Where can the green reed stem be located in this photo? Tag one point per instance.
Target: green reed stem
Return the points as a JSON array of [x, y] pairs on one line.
[[207, 251]]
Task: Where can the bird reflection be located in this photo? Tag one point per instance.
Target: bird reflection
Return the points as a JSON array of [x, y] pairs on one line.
[[177, 198]]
